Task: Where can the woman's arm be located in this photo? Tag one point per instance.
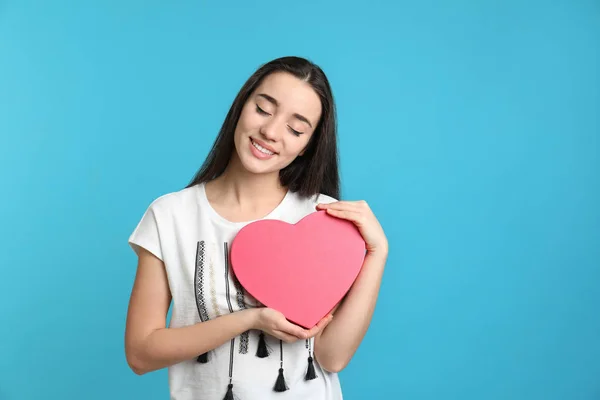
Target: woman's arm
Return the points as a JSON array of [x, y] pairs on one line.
[[337, 343], [150, 346]]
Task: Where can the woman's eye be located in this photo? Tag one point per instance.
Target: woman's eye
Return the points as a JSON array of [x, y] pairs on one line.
[[261, 111], [295, 132]]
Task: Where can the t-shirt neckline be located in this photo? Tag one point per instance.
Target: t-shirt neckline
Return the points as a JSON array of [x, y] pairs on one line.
[[222, 220]]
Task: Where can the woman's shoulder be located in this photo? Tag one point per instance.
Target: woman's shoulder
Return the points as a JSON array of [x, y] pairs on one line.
[[300, 206], [322, 198], [174, 201], [312, 201]]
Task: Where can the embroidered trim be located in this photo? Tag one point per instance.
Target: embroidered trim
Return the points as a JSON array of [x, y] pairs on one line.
[[226, 257], [199, 282], [244, 338], [213, 284]]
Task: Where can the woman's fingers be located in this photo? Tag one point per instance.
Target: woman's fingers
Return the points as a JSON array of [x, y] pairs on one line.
[[340, 205], [320, 326], [305, 334], [289, 332], [285, 337], [359, 205], [362, 216], [353, 216], [292, 329]]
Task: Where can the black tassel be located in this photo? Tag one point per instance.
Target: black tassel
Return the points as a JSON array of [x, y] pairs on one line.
[[280, 385], [202, 358], [262, 351], [229, 394], [310, 373]]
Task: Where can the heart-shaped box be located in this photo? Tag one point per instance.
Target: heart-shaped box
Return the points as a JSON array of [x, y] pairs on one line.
[[301, 270]]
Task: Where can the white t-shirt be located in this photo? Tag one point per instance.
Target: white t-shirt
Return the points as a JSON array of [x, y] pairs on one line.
[[192, 239]]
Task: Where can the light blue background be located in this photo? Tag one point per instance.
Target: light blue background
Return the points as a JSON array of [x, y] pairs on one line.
[[471, 127]]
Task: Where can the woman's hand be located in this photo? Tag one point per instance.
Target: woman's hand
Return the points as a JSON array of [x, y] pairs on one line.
[[274, 323], [361, 215]]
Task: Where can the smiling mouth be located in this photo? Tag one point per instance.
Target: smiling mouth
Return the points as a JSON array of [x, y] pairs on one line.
[[261, 149]]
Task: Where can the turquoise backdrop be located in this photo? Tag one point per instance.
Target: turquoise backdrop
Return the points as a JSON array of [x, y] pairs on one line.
[[471, 127]]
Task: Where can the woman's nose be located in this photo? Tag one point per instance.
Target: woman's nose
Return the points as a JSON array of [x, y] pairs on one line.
[[270, 131]]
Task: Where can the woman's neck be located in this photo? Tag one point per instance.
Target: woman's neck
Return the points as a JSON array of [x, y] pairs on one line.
[[240, 195]]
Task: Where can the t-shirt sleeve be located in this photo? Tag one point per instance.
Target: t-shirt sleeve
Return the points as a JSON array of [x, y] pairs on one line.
[[323, 198], [147, 234]]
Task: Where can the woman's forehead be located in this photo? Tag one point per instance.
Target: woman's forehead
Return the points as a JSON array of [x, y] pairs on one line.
[[291, 94]]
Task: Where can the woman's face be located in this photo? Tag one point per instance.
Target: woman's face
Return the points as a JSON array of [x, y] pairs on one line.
[[276, 123]]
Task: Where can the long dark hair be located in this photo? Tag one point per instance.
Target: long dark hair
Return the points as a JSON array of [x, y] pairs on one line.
[[316, 171]]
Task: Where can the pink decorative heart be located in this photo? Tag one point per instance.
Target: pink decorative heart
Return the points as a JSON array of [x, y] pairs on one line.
[[301, 270]]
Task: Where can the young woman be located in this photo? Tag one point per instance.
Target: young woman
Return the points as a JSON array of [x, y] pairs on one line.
[[275, 157]]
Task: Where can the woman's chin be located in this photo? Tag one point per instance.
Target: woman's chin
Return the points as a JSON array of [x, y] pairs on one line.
[[256, 166]]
